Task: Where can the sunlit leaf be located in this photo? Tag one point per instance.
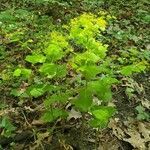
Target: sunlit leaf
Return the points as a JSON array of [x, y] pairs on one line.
[[35, 58], [17, 72], [48, 69]]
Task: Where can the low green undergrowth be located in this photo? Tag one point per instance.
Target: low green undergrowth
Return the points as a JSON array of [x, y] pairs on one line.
[[76, 69]]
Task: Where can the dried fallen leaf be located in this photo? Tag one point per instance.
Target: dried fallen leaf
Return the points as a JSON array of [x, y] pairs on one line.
[[144, 129], [109, 145], [74, 114], [37, 122], [64, 145], [7, 111], [137, 134], [38, 142], [146, 103], [135, 139]]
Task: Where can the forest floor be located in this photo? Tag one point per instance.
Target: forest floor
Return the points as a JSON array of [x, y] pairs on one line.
[[24, 27]]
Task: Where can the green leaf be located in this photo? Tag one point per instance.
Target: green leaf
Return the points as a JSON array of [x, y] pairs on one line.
[[54, 52], [22, 72], [130, 92], [16, 92], [60, 97], [146, 18], [86, 57], [142, 114], [53, 70], [98, 49], [35, 58], [53, 115], [61, 71], [89, 71], [102, 116], [7, 127], [129, 70], [140, 109], [36, 92], [5, 123], [26, 73], [39, 90], [146, 55], [48, 69], [57, 48], [103, 113], [84, 100], [19, 93], [17, 72], [94, 123], [102, 88]]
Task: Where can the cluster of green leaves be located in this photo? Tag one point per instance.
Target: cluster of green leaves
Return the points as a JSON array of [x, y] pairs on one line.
[[60, 2], [10, 28], [77, 71], [17, 25], [6, 126], [21, 31], [142, 114], [75, 68], [93, 5]]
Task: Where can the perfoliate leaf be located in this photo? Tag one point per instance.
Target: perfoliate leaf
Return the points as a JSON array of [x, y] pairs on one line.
[[35, 58], [85, 26], [102, 23]]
